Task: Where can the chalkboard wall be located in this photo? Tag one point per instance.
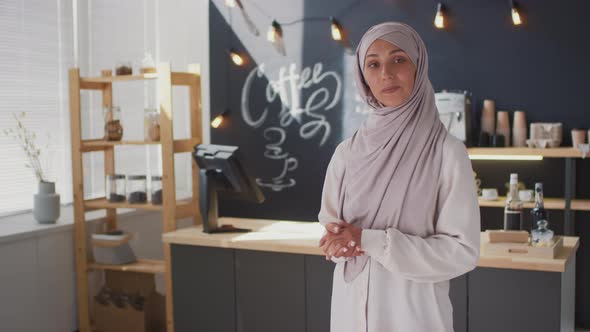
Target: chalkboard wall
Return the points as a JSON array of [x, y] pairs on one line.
[[288, 113]]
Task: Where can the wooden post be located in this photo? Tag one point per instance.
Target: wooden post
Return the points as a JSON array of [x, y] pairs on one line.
[[78, 192], [109, 152], [168, 178], [196, 120]]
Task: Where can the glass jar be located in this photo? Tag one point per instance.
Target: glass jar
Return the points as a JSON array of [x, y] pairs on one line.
[[115, 188], [542, 236], [156, 190], [123, 68], [136, 189], [113, 131], [151, 125]]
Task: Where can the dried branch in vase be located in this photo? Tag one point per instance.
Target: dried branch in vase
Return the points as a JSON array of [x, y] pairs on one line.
[[26, 140]]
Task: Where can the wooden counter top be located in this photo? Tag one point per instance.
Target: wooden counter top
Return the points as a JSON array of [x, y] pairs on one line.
[[303, 237]]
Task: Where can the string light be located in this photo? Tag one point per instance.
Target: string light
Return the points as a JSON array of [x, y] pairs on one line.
[[336, 29], [273, 31], [218, 120], [516, 20], [275, 36], [236, 58], [439, 19]]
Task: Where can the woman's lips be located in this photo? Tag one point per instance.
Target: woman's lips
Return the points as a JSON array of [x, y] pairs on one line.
[[390, 89]]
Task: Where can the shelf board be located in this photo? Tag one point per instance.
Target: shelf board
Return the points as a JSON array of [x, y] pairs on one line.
[[142, 265], [550, 203], [120, 78], [98, 82], [581, 204], [180, 145], [102, 203], [561, 152]]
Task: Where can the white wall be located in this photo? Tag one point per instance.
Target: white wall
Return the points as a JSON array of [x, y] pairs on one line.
[[111, 31], [37, 274]]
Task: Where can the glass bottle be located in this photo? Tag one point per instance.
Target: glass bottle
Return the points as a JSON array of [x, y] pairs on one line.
[[538, 212], [542, 236], [513, 208]]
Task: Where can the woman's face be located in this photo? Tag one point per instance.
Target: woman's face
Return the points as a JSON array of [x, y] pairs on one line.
[[389, 72]]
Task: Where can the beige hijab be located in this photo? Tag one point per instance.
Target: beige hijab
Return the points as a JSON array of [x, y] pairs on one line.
[[389, 169]]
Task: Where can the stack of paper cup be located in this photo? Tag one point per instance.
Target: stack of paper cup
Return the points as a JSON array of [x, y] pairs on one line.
[[503, 126], [488, 117], [519, 129]]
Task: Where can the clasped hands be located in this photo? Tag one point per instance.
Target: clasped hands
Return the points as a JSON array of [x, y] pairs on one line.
[[341, 240]]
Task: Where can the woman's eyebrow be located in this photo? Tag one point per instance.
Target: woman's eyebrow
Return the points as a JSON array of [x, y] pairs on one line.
[[390, 53]]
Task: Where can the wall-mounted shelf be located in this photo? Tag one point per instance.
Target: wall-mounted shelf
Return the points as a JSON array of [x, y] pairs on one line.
[[568, 204], [561, 152], [550, 203]]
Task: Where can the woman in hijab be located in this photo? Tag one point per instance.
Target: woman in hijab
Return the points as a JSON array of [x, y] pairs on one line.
[[399, 201]]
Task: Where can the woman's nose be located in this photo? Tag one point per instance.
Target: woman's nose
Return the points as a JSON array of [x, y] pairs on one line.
[[387, 71]]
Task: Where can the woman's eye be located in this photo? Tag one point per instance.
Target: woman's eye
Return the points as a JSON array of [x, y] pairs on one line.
[[399, 60], [372, 65]]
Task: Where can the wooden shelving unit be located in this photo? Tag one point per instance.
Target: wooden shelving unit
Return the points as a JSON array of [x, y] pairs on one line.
[[569, 203], [171, 208]]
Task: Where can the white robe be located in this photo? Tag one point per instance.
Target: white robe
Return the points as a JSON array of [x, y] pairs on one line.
[[405, 285]]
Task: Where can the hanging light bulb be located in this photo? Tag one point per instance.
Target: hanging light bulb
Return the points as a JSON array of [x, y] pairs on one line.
[[230, 3], [218, 120], [439, 19], [275, 36], [273, 32], [236, 58], [516, 20], [336, 29]]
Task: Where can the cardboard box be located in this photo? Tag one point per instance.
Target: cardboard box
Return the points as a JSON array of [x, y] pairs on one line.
[[119, 315]]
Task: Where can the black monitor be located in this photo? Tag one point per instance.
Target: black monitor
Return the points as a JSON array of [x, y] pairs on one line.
[[222, 172]]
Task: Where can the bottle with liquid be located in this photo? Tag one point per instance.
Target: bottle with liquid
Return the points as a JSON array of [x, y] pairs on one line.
[[538, 212], [542, 236], [513, 209]]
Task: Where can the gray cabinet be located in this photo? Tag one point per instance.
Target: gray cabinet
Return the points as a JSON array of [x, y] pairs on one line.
[[203, 284], [218, 289], [270, 291], [516, 300]]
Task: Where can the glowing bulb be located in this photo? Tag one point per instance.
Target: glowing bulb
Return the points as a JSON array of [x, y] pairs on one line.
[[236, 58], [230, 3], [273, 32], [217, 121], [336, 29], [516, 17], [439, 19]]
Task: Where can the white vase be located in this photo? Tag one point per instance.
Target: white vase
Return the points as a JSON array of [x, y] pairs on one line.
[[46, 204]]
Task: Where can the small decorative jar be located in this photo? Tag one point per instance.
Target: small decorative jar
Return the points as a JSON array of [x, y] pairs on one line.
[[152, 125], [156, 190], [136, 189], [115, 188], [113, 131]]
